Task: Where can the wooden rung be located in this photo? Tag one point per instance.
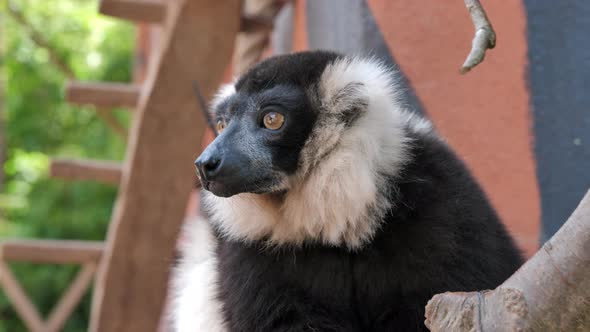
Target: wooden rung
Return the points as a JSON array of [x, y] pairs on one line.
[[106, 95], [101, 171], [51, 251], [148, 11]]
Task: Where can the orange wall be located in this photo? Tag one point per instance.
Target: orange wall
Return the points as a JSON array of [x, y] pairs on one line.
[[484, 114]]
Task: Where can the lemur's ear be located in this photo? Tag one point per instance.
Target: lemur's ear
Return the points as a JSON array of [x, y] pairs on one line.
[[224, 92], [349, 102], [348, 85]]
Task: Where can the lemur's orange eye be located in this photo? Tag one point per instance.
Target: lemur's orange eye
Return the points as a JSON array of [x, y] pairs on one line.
[[273, 120], [220, 126]]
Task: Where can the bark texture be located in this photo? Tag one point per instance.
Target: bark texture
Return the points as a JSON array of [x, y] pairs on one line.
[[550, 292]]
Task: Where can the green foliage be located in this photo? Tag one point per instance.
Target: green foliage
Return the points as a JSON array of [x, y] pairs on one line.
[[39, 124]]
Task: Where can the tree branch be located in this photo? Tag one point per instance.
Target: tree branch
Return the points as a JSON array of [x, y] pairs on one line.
[[484, 38], [107, 116], [39, 40], [550, 292], [56, 59]]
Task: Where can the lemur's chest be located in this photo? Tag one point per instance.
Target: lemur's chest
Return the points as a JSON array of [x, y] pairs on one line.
[[324, 280], [316, 272]]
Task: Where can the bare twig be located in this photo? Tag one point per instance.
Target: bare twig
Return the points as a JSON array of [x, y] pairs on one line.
[[550, 292], [485, 37], [107, 116]]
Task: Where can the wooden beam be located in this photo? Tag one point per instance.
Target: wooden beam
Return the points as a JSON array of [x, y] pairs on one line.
[[148, 11], [21, 302], [132, 283], [107, 95], [102, 171], [51, 251], [68, 302]]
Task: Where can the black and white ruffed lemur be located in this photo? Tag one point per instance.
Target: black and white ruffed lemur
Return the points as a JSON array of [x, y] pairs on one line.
[[330, 207]]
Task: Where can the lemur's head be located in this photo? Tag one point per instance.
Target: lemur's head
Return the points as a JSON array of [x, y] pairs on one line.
[[263, 122], [309, 139]]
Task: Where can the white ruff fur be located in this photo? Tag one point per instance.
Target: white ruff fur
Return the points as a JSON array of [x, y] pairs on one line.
[[337, 196], [195, 307]]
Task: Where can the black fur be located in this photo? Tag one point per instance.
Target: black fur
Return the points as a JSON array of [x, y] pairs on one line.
[[443, 235], [300, 69]]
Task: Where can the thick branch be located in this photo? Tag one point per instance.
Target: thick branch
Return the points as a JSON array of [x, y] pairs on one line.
[[484, 38], [550, 292]]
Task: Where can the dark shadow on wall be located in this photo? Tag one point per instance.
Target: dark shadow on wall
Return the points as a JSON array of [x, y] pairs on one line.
[[559, 79]]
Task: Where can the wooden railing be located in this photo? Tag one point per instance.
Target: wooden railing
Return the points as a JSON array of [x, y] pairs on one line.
[[86, 254]]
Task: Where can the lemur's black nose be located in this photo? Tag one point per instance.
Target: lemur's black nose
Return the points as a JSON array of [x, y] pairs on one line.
[[208, 167]]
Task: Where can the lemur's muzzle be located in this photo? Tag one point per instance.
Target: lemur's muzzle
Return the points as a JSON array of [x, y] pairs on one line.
[[208, 167], [223, 169], [213, 168], [237, 162]]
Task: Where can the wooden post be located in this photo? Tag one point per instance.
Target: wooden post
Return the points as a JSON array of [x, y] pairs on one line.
[[130, 291]]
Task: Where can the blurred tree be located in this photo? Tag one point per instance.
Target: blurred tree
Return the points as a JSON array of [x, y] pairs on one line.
[[39, 123], [2, 143]]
